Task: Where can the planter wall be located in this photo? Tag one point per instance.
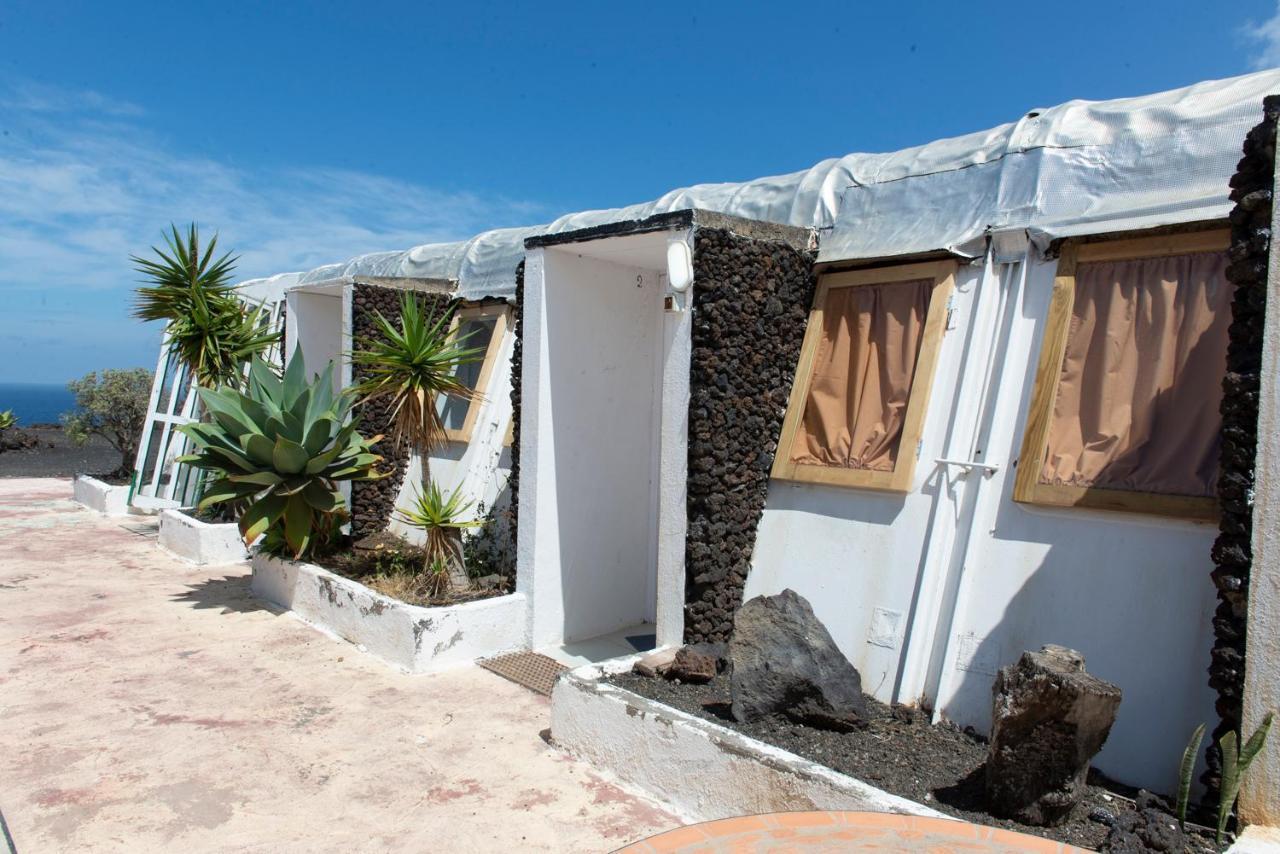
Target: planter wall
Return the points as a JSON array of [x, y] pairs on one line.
[[201, 542], [101, 497], [410, 637], [703, 770]]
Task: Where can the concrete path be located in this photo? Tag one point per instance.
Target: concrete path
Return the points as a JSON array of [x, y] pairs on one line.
[[149, 706]]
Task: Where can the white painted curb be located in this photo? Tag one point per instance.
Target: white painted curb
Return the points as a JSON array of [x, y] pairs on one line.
[[199, 542], [705, 771], [1257, 839], [410, 637], [101, 497]]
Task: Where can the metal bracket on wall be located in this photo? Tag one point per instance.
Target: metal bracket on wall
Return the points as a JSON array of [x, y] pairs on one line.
[[969, 465]]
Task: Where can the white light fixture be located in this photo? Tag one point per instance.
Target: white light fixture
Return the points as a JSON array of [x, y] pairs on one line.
[[679, 266]]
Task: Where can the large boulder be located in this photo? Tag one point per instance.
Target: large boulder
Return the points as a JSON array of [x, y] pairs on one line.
[[784, 661], [1049, 719]]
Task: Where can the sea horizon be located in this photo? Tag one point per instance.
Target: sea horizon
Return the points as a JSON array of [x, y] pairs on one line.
[[36, 403]]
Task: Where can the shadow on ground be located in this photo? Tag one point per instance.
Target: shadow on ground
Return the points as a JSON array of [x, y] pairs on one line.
[[230, 593]]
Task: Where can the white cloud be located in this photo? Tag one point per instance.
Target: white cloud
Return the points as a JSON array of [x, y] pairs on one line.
[[30, 96], [81, 190], [83, 185], [1266, 37]]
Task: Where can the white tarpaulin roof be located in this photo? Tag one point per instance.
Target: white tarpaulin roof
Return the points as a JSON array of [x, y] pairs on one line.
[[1080, 167]]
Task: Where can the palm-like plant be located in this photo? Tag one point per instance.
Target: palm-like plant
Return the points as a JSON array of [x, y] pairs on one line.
[[279, 450], [209, 329], [409, 368], [442, 519]]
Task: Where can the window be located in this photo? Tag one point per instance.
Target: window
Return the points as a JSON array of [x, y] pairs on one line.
[[1124, 412], [862, 385], [481, 327]]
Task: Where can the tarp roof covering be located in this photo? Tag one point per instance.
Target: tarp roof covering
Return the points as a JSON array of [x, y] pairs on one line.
[[1080, 167]]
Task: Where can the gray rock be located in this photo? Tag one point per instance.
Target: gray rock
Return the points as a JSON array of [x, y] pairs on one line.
[[1049, 719], [784, 661]]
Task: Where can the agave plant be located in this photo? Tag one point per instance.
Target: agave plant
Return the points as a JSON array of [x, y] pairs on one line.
[[442, 519], [209, 329], [7, 420], [410, 367], [280, 448]]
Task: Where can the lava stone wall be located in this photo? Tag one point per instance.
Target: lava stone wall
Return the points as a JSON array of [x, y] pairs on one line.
[[751, 304], [372, 502], [517, 373], [1251, 188]]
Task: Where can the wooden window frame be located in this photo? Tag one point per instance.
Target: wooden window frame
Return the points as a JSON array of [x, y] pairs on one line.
[[502, 312], [901, 478], [1027, 488]]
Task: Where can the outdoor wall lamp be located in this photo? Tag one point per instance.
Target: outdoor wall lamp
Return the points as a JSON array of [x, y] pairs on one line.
[[679, 265]]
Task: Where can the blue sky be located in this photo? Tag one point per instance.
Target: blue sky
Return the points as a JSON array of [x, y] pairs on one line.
[[308, 133]]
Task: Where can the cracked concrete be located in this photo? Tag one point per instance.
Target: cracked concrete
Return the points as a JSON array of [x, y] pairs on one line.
[[147, 706]]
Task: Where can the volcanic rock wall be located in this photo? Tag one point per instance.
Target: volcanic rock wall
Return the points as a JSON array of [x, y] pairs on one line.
[[373, 501], [517, 373], [1251, 188], [751, 304]]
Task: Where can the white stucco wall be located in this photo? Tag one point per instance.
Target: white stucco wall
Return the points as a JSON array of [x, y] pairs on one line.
[[199, 542], [314, 322], [409, 637], [591, 367], [1260, 794], [101, 497], [930, 593]]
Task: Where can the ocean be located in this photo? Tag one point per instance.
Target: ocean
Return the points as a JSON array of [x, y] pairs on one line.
[[36, 403]]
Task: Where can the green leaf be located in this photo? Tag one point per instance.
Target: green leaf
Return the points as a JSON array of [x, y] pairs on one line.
[[1254, 744], [1185, 769], [318, 435], [260, 478], [1230, 785], [322, 499], [259, 448], [295, 378], [297, 525], [289, 457], [260, 515]]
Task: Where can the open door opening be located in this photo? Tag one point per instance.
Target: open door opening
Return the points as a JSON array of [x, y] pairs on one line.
[[599, 347]]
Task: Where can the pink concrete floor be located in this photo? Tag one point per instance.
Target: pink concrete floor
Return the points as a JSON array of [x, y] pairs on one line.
[[149, 706]]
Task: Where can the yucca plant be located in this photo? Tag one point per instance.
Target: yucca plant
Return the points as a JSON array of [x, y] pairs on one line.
[[279, 449], [443, 521], [409, 366], [209, 329]]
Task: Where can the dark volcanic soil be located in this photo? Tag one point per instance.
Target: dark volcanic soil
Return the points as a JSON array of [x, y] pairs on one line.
[[392, 567], [940, 766], [63, 459]]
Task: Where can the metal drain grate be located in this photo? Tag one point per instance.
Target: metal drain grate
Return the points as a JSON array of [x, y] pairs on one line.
[[533, 670]]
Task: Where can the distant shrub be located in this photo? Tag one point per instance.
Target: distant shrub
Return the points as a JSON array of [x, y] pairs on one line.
[[111, 404]]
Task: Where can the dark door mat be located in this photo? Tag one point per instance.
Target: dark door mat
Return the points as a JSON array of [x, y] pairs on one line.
[[533, 670], [150, 530]]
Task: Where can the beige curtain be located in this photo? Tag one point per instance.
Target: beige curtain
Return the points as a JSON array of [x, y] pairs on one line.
[[862, 375], [1137, 402]]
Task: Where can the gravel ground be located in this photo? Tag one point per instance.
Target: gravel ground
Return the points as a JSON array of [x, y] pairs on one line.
[[899, 751], [58, 457]]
